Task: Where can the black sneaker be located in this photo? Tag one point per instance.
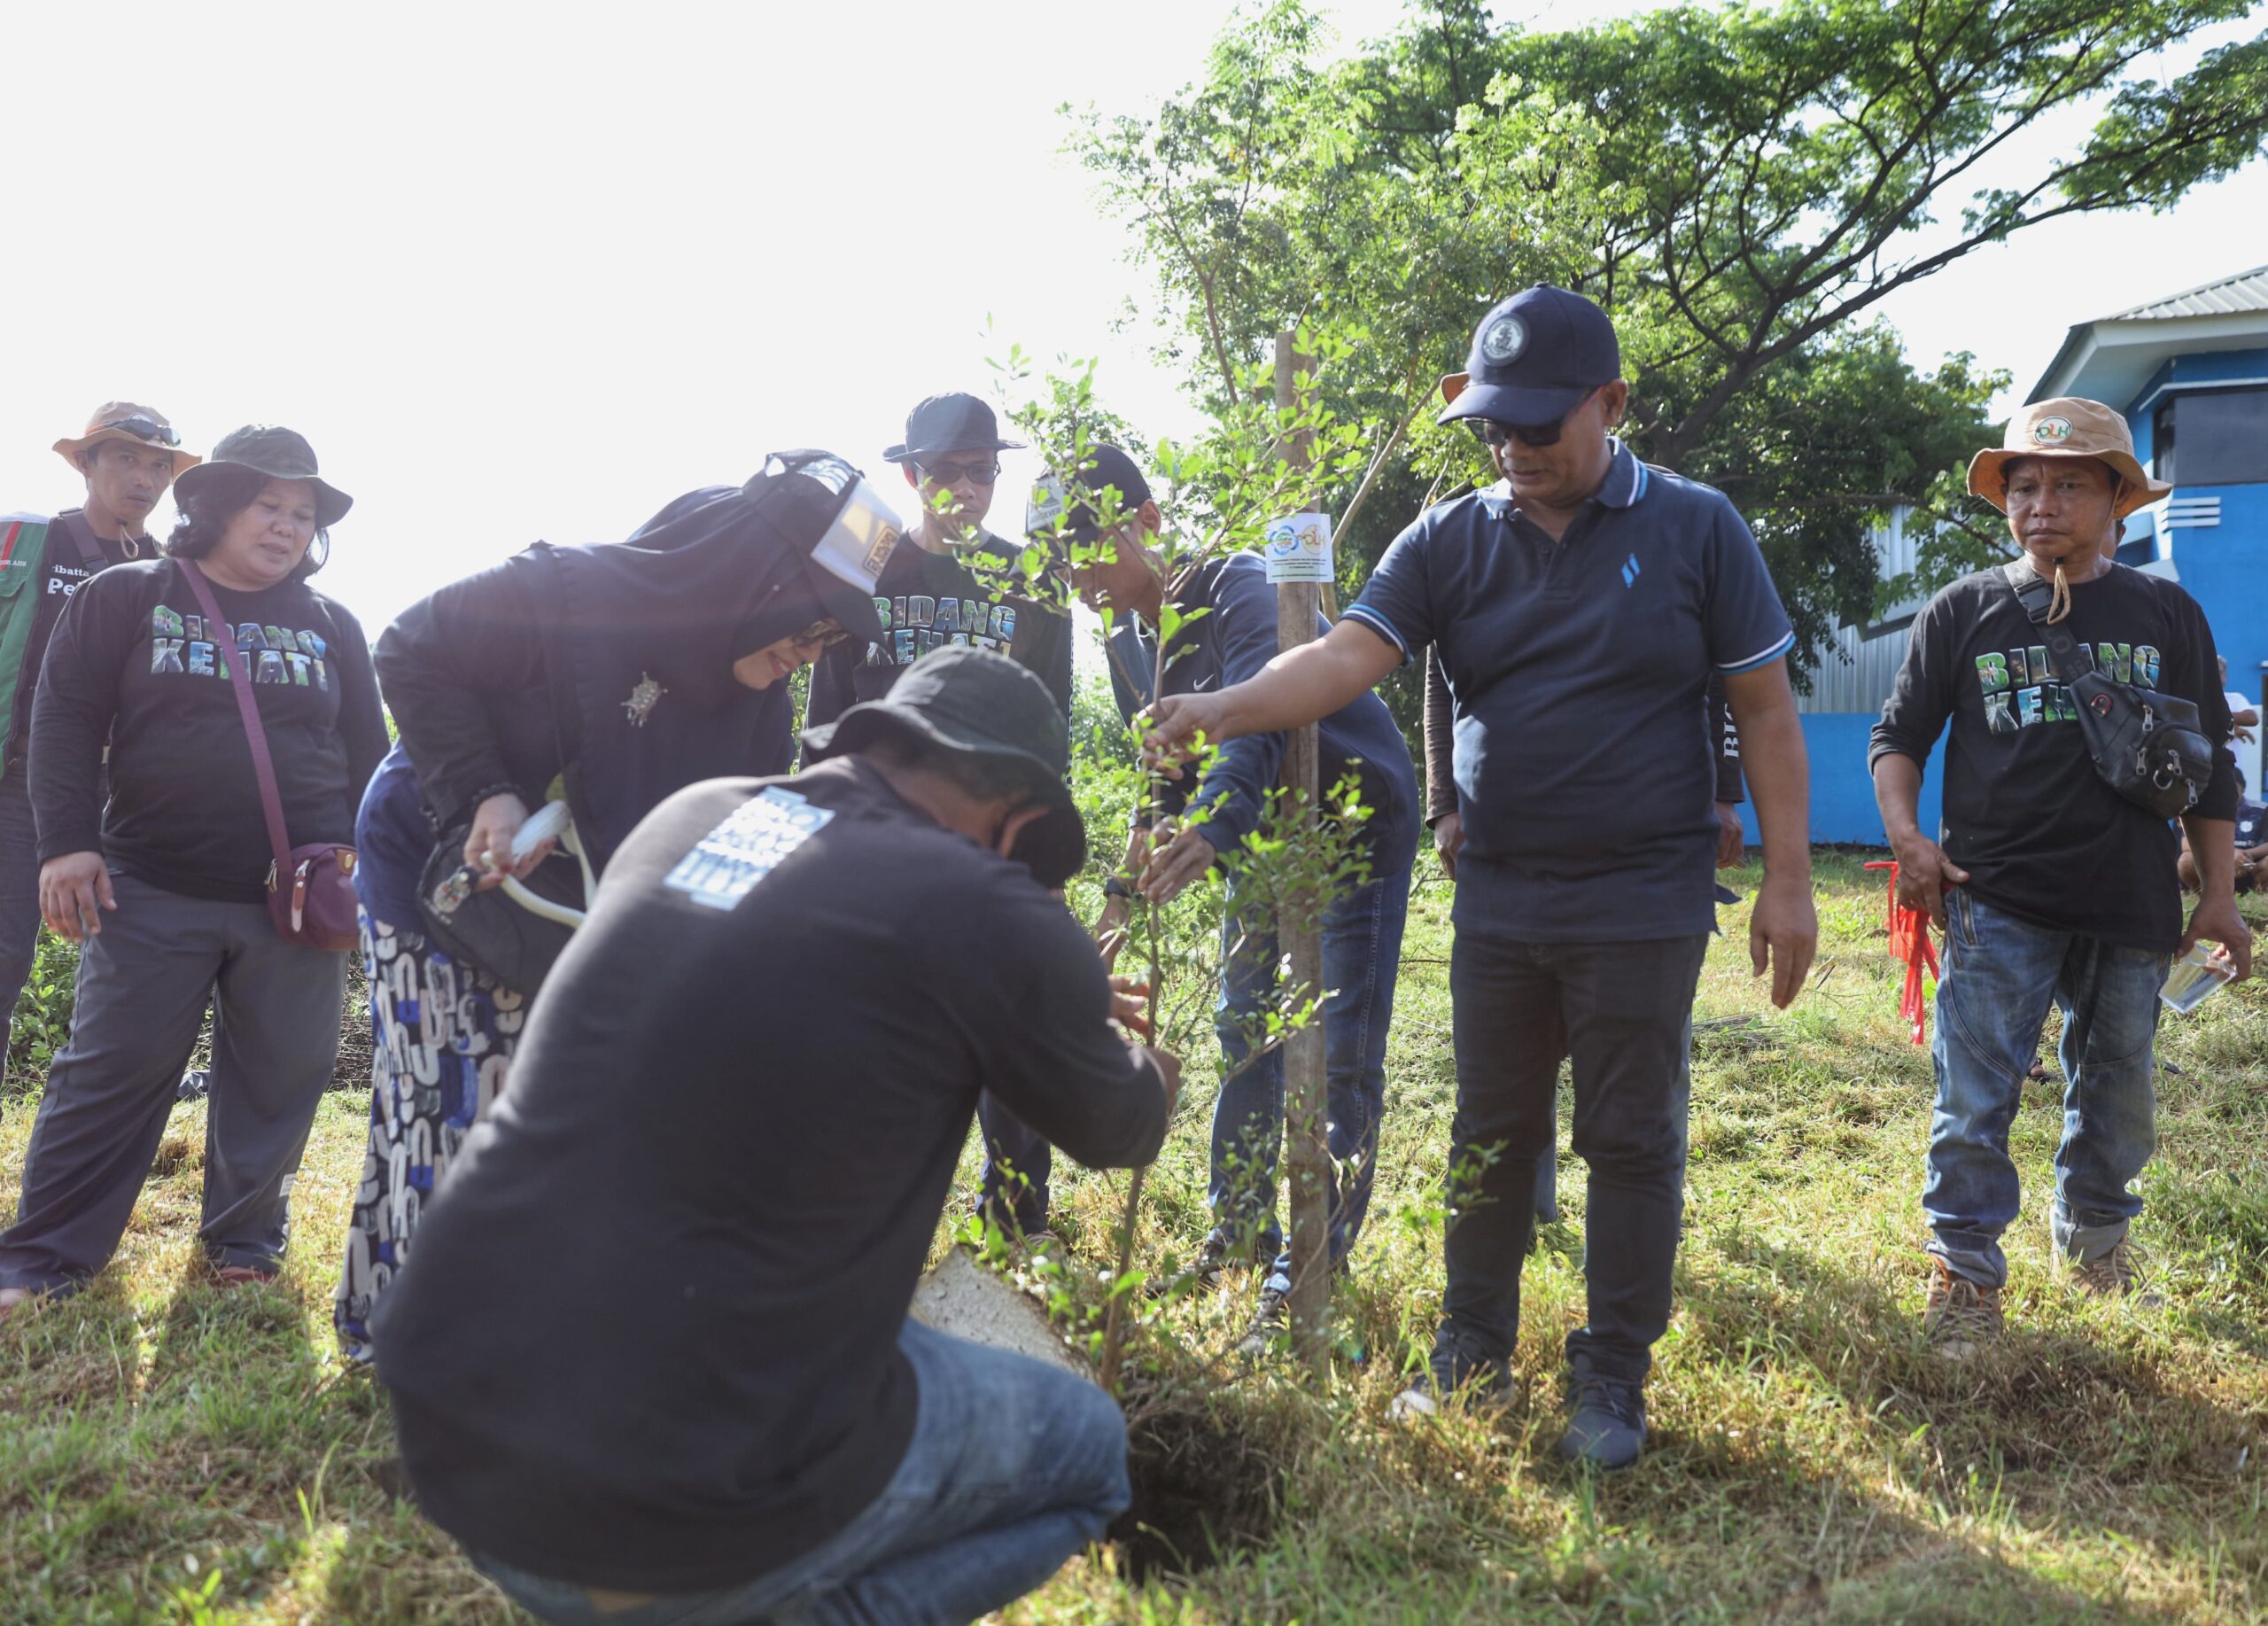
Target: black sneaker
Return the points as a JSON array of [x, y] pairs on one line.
[[1608, 1428], [1453, 1372], [1271, 1320]]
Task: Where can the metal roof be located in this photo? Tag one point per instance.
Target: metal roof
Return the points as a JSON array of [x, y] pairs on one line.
[[2247, 291], [2110, 357]]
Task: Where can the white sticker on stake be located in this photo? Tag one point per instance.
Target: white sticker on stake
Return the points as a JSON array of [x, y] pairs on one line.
[[726, 864], [1299, 548]]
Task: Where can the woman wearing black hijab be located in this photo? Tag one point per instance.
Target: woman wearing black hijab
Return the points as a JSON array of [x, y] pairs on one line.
[[618, 673]]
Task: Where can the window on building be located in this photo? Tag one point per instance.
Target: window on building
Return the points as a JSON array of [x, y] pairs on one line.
[[2222, 437]]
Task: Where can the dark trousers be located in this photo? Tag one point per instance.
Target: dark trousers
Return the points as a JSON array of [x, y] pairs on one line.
[[143, 984], [1012, 1192], [1623, 1012], [19, 886]]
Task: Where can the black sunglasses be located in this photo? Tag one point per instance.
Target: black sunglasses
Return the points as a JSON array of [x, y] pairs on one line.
[[1492, 433], [954, 473], [146, 429]]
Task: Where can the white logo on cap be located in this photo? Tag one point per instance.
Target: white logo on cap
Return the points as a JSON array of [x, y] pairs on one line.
[[2050, 431], [1504, 340]]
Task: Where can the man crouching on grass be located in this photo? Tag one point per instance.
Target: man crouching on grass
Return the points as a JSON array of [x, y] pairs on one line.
[[652, 1363]]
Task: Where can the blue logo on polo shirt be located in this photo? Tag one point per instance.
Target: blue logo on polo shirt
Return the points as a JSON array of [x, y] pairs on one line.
[[1630, 572]]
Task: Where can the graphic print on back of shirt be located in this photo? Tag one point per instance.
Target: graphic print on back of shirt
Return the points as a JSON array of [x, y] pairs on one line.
[[726, 864], [913, 624], [2021, 688], [180, 641]]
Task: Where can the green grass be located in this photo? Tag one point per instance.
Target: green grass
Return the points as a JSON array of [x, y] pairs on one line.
[[171, 1452]]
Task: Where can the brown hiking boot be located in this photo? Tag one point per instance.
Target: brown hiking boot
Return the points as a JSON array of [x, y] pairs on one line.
[[1960, 1318], [2116, 1275]]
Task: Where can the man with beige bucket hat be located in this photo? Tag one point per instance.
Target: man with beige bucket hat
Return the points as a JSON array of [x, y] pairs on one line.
[[127, 454], [2053, 875]]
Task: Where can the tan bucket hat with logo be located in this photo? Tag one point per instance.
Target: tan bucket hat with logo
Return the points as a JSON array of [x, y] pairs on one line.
[[2067, 426], [126, 420]]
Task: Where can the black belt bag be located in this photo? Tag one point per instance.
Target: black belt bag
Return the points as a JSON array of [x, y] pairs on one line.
[[2148, 747]]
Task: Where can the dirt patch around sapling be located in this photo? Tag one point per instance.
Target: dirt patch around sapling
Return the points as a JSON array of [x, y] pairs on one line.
[[1204, 1488]]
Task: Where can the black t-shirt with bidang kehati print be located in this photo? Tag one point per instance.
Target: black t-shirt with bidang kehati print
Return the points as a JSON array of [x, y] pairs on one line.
[[2026, 813], [928, 601], [133, 662]]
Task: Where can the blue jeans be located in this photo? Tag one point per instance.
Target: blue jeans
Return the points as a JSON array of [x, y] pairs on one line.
[[1362, 954], [2001, 972], [1014, 1467]]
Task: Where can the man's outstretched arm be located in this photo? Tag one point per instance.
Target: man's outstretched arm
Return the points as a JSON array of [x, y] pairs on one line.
[[1297, 687]]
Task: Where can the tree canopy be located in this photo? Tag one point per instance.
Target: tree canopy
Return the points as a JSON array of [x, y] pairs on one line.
[[1740, 185]]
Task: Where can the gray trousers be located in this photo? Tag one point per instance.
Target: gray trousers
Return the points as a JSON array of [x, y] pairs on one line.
[[143, 984], [18, 889]]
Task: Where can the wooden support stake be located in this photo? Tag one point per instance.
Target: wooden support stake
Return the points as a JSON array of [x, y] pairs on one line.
[[1307, 1154]]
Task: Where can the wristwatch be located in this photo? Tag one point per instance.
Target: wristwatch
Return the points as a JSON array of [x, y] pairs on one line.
[[1116, 888]]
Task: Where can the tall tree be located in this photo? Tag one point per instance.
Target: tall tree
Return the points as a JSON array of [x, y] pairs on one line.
[[1740, 185]]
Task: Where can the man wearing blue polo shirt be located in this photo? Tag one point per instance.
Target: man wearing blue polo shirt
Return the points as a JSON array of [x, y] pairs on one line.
[[1578, 609]]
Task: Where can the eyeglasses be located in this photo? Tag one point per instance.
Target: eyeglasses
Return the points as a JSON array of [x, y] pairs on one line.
[[1492, 433], [823, 634], [145, 429], [954, 473]]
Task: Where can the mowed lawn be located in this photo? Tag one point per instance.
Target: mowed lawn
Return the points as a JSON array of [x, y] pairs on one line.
[[171, 1452]]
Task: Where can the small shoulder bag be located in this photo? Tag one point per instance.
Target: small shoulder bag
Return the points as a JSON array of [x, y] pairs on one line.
[[2147, 746], [310, 889]]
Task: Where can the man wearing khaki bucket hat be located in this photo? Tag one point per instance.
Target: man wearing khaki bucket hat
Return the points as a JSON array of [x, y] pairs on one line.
[[127, 454], [2048, 882]]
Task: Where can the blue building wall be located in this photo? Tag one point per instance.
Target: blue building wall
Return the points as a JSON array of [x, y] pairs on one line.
[[2215, 367], [2225, 567], [1842, 790]]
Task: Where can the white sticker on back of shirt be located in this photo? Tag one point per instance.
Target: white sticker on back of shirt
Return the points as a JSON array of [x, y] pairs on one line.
[[728, 862]]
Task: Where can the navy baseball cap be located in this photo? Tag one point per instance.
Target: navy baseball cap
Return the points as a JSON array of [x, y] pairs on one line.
[[1535, 357], [1105, 466]]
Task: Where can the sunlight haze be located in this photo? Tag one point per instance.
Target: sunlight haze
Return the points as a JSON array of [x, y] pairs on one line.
[[523, 273]]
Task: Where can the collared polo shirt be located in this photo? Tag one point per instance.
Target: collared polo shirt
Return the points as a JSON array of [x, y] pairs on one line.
[[1576, 672]]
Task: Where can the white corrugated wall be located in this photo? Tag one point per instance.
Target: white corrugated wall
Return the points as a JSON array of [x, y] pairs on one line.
[[1857, 671]]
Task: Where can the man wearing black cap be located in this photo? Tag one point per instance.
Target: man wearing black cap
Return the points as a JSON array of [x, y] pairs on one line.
[[658, 1360], [128, 455], [929, 599], [1227, 632], [1578, 609]]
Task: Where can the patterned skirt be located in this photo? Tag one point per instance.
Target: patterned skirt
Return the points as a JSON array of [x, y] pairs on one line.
[[443, 1034]]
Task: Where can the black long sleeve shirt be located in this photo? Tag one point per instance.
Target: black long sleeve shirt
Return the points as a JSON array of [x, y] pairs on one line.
[[463, 674], [132, 662], [649, 1338], [2025, 813]]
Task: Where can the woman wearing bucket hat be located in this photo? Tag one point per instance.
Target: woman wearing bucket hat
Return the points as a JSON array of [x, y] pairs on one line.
[[166, 884], [618, 673], [2054, 882]]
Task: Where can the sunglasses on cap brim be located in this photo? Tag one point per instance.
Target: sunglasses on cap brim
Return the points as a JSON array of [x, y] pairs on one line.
[[144, 428], [1491, 433]]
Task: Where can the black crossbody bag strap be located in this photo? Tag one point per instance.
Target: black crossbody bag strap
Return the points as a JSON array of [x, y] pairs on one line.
[[2035, 594]]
